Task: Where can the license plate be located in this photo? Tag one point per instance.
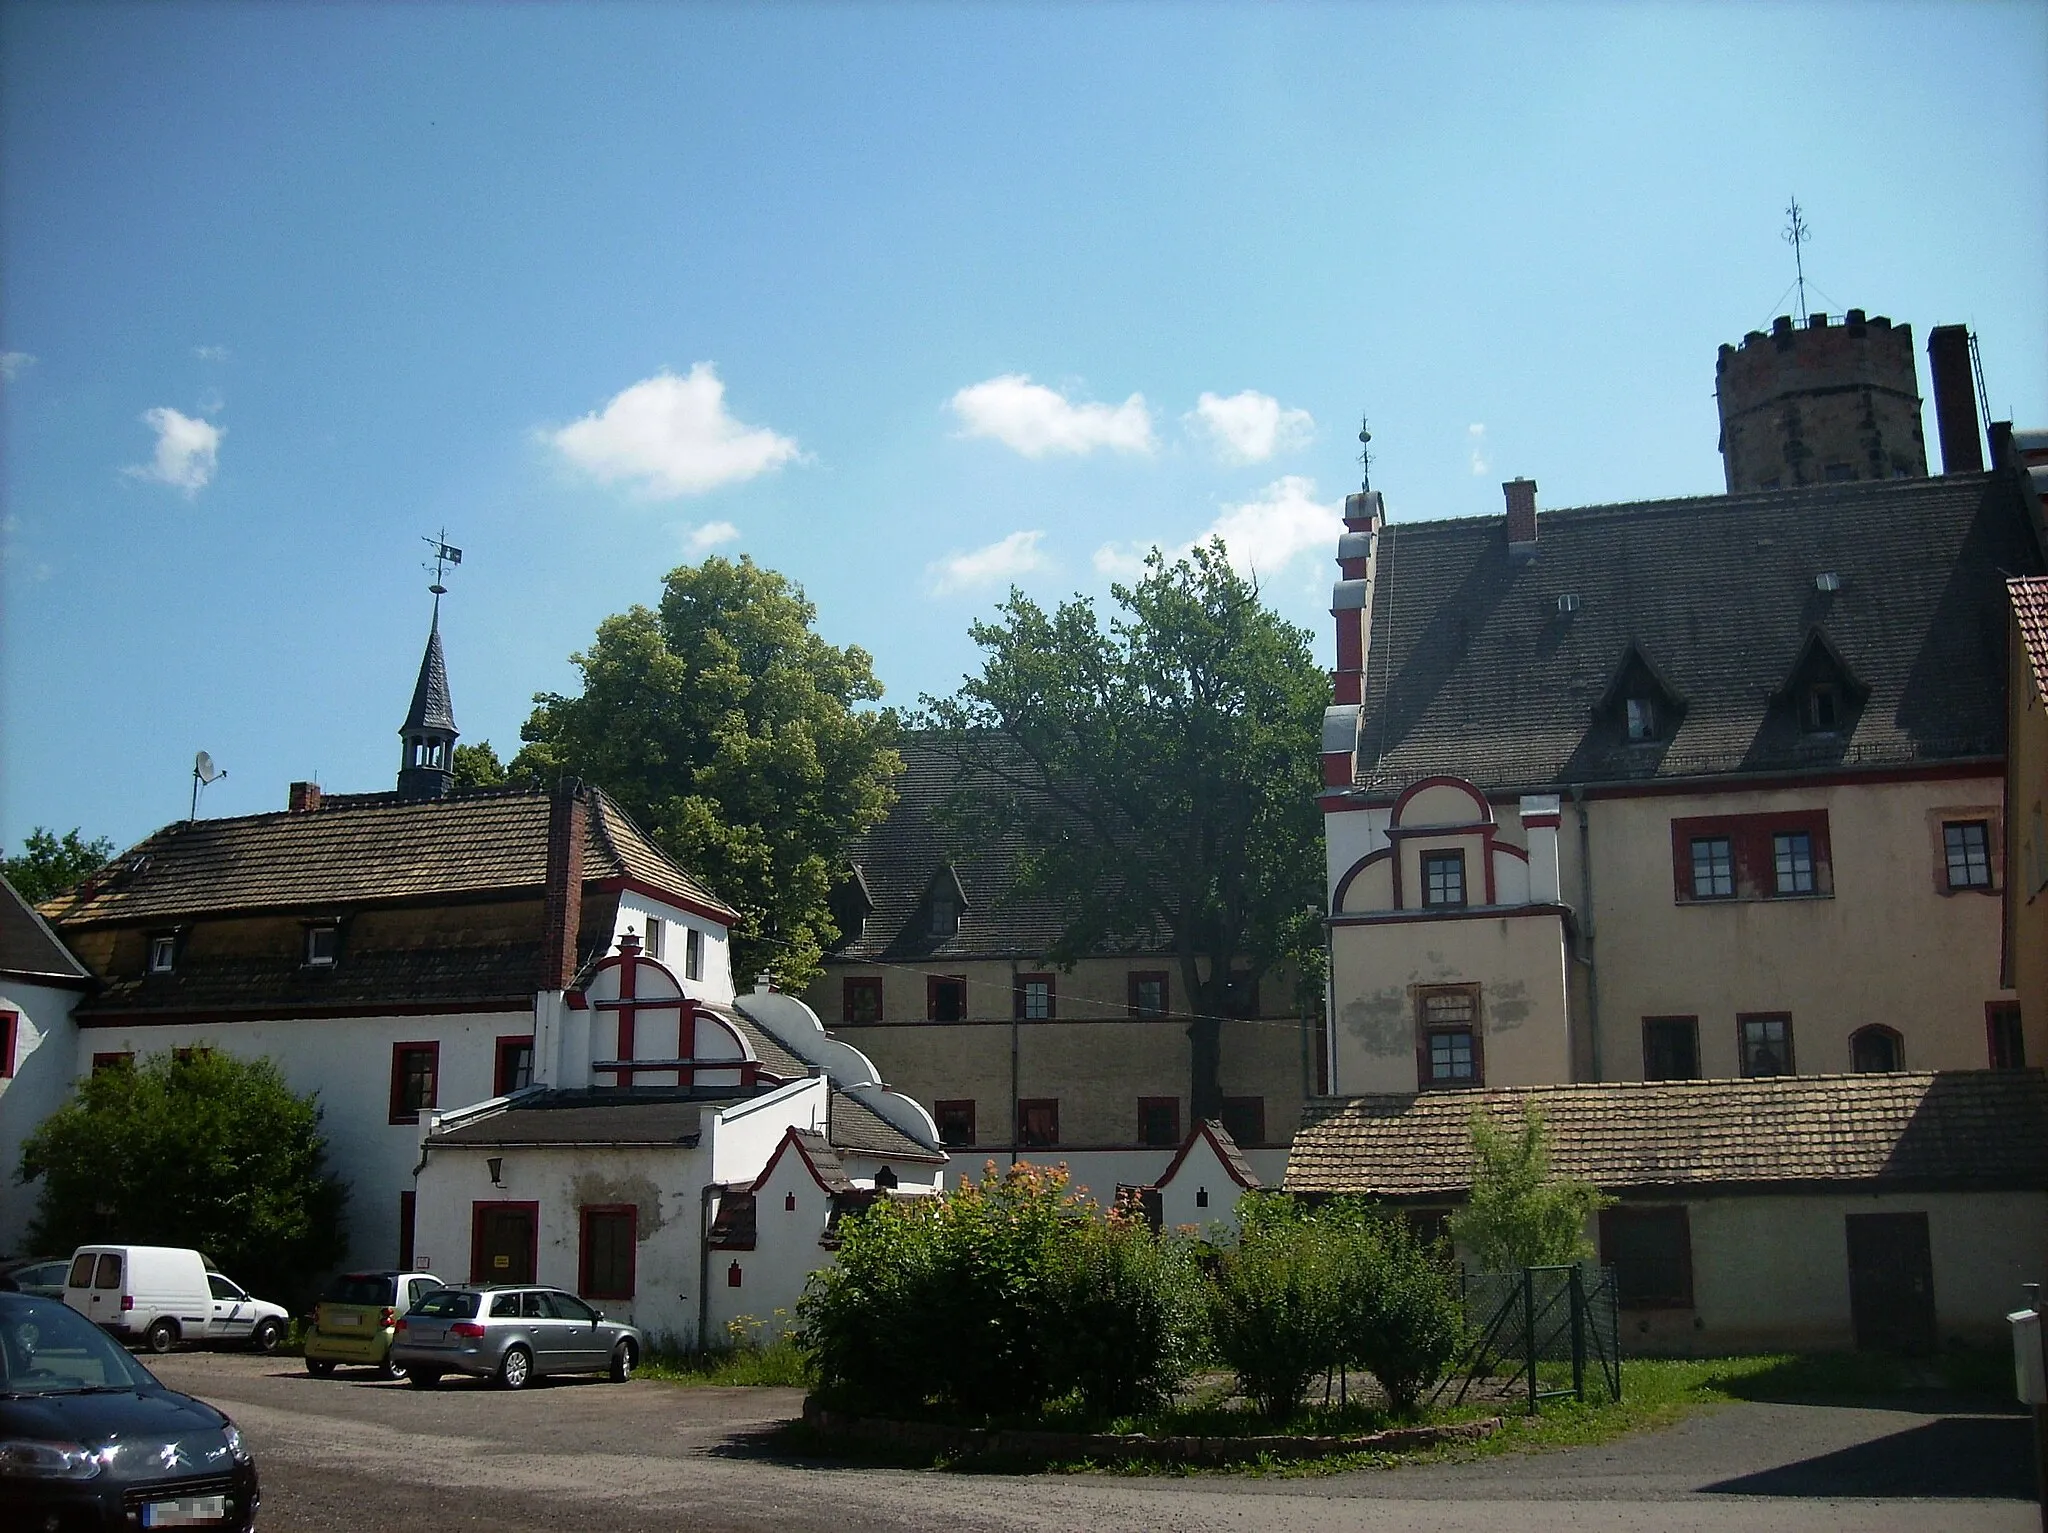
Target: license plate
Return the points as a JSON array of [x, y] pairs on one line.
[[185, 1512]]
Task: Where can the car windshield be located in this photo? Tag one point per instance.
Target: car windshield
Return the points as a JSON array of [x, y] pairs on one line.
[[447, 1304], [48, 1348], [360, 1288]]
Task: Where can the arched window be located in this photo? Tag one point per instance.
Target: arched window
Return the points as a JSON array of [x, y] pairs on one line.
[[1874, 1050]]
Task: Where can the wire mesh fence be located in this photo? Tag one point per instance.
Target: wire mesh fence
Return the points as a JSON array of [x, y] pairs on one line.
[[1542, 1333]]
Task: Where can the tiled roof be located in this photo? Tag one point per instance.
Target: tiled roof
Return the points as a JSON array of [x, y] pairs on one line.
[[360, 848], [774, 1058], [825, 1161], [899, 860], [369, 981], [28, 946], [1981, 1128], [1473, 670], [588, 1118], [431, 708], [2030, 607], [859, 1130]]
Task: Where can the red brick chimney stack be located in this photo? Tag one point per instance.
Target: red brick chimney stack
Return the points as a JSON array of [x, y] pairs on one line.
[[1521, 495], [305, 798], [1955, 399], [568, 821]]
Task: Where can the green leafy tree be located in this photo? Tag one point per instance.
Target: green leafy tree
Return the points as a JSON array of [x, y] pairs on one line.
[[208, 1151], [1276, 1302], [736, 736], [49, 864], [478, 766], [1518, 1214], [1162, 772]]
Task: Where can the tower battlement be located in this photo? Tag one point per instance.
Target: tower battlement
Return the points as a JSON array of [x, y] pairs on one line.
[[1829, 400]]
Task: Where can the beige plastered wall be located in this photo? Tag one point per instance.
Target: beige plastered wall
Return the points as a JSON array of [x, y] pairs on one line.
[[1093, 1058], [1890, 946], [1518, 962], [2026, 798], [1771, 1271]]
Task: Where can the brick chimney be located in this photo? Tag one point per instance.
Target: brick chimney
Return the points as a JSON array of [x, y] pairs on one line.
[[568, 820], [1955, 399], [1521, 494], [305, 798]]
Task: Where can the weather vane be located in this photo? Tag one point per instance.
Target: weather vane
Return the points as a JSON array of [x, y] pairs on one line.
[[1365, 454], [445, 557], [1796, 235]]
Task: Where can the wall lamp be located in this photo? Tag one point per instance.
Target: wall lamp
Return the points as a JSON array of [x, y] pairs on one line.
[[496, 1166]]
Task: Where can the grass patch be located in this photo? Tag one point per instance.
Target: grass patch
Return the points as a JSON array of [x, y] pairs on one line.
[[777, 1364]]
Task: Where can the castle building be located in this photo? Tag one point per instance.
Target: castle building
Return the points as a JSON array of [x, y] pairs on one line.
[[1629, 804]]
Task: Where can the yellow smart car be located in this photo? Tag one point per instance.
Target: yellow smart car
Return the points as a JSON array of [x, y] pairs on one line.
[[356, 1317]]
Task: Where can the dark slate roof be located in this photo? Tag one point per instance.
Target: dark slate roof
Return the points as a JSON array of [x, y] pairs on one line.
[[1473, 671], [431, 708], [1963, 1128], [587, 1117], [2030, 607], [825, 1161], [364, 847], [858, 1129], [774, 1058], [29, 948], [898, 862]]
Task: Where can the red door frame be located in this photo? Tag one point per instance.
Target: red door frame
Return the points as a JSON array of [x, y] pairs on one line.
[[477, 1211]]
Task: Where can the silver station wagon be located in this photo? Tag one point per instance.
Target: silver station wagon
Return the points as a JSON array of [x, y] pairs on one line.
[[511, 1336]]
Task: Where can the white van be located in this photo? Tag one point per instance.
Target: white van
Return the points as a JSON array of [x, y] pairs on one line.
[[161, 1295]]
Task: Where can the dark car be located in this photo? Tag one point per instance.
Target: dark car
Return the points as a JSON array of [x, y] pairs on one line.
[[90, 1439]]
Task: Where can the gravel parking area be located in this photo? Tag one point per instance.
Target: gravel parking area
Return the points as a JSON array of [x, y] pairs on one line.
[[351, 1453]]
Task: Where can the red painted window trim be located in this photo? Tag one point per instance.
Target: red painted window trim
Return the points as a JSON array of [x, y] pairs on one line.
[[476, 1236], [1171, 1103], [585, 1283], [1682, 1300], [399, 1112], [932, 983], [10, 1030], [1749, 836], [1052, 996], [955, 1105], [1424, 1030], [1258, 1105], [499, 1084], [1025, 1104], [408, 1209], [1995, 1012], [860, 984], [115, 1059], [1165, 992]]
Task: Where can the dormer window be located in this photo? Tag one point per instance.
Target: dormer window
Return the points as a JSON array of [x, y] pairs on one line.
[[323, 946], [945, 915], [1642, 719], [1823, 715], [163, 955], [1443, 879]]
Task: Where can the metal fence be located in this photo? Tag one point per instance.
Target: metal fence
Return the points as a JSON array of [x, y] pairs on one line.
[[1543, 1333]]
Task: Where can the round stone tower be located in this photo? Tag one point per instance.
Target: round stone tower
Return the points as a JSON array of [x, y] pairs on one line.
[[1827, 402]]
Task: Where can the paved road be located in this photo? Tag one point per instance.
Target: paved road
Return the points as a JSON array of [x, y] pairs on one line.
[[348, 1453]]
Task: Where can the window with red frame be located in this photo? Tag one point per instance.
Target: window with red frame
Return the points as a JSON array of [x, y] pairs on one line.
[[514, 1070], [1038, 1123], [10, 1028], [945, 998], [956, 1122], [1723, 857], [120, 1060], [1244, 1120], [2002, 1027], [610, 1236], [861, 999], [1148, 995], [415, 1079], [1159, 1121], [408, 1203]]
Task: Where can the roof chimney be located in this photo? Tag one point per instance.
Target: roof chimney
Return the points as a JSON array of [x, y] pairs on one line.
[[305, 798], [1955, 399], [568, 821], [1521, 494]]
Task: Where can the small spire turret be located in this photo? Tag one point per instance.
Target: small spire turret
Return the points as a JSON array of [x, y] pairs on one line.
[[427, 766]]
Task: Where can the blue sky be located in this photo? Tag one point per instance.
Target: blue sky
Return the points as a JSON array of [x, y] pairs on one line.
[[904, 301]]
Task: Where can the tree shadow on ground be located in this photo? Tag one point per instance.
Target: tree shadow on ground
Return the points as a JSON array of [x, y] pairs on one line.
[[1965, 1381], [1954, 1456]]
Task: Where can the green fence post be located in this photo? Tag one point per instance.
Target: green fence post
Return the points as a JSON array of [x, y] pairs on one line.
[[1529, 1330], [1578, 1298]]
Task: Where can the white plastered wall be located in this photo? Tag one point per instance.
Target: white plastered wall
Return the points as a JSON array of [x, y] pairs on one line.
[[45, 1069]]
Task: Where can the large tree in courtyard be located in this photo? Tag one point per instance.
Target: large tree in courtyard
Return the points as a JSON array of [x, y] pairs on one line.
[[196, 1149], [1163, 774], [735, 736]]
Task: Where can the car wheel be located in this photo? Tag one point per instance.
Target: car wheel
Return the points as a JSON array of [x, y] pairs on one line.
[[424, 1378], [515, 1369], [318, 1368], [389, 1370], [624, 1356], [161, 1336], [267, 1337]]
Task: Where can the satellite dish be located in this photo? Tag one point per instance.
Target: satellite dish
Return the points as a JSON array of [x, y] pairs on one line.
[[204, 769]]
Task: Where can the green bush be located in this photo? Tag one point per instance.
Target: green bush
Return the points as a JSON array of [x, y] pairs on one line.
[[1276, 1302], [1126, 1314], [1402, 1319]]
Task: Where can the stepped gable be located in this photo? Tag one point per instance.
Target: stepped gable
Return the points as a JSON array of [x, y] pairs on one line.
[[1474, 669], [1961, 1129]]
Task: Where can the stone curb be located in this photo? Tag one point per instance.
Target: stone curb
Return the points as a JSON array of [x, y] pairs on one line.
[[1010, 1442]]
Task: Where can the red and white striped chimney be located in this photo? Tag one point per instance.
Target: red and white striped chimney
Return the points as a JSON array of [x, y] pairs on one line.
[[1350, 609]]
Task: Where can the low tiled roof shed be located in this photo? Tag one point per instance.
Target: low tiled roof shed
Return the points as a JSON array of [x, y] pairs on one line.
[[1962, 1129]]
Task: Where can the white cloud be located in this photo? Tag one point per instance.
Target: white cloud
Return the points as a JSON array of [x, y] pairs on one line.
[[14, 363], [673, 437], [187, 451], [1035, 420], [1250, 427], [701, 540], [210, 353], [1476, 434], [1263, 536], [1001, 561]]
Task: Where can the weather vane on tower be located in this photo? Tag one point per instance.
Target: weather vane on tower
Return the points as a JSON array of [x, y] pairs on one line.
[[446, 556], [1796, 234], [1365, 454]]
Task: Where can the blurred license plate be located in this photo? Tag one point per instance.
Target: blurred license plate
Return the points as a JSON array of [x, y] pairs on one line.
[[185, 1512]]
